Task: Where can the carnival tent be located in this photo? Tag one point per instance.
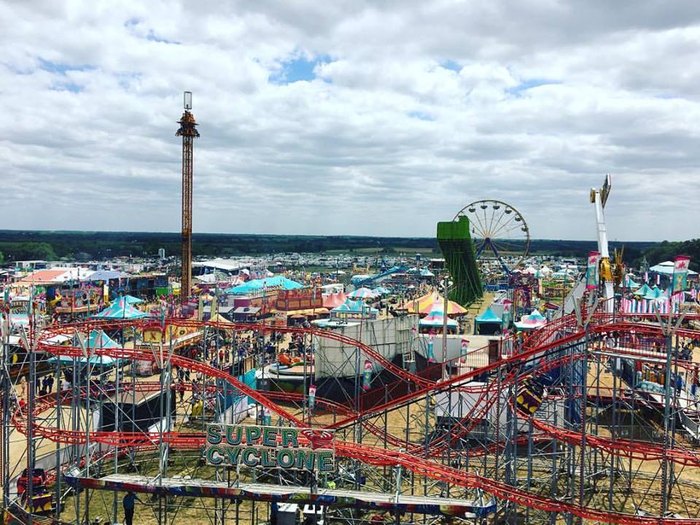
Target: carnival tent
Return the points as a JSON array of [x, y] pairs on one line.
[[333, 300], [436, 318], [362, 293], [423, 305], [130, 299], [488, 322], [666, 268], [488, 316], [630, 283], [354, 309], [278, 283], [99, 339], [105, 275], [531, 322], [120, 309], [96, 340], [643, 290]]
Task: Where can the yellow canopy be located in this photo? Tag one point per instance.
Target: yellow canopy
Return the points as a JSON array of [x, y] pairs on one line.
[[423, 305]]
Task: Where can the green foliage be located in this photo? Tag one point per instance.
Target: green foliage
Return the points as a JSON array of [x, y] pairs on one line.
[[666, 251], [50, 245], [22, 251], [19, 245]]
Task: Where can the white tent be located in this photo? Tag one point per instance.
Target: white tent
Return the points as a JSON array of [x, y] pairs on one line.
[[666, 268]]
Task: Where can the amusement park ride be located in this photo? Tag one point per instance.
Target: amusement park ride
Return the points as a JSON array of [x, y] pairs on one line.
[[499, 231], [188, 132], [599, 198], [592, 418]]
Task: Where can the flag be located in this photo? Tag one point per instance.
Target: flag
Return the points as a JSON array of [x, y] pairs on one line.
[[680, 273], [592, 272]]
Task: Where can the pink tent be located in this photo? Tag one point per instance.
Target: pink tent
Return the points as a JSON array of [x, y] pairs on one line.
[[333, 300]]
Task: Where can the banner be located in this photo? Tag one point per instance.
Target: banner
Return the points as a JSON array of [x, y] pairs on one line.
[[301, 299], [463, 350], [270, 447], [431, 351], [592, 272], [367, 375], [312, 397], [680, 273]]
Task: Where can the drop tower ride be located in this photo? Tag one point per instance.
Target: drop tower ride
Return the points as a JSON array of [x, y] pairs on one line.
[[188, 132]]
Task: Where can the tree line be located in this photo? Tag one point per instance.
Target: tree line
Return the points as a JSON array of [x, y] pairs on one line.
[[19, 245]]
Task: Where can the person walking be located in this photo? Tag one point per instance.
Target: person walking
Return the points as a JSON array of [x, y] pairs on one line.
[[129, 502]]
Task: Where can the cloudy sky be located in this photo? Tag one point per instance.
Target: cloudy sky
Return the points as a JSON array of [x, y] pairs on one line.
[[352, 117]]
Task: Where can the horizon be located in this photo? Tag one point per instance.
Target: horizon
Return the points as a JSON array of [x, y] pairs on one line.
[[314, 235]]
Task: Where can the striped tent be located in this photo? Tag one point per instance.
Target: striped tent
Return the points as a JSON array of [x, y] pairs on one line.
[[423, 305]]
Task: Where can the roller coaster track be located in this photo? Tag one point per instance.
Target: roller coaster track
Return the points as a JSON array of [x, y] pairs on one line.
[[558, 337]]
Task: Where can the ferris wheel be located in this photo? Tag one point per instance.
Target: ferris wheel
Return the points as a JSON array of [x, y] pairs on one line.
[[498, 230]]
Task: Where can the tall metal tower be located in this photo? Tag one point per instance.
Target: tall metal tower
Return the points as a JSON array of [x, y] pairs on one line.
[[188, 132]]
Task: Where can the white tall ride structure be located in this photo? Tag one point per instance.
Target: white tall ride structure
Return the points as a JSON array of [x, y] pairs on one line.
[[598, 199]]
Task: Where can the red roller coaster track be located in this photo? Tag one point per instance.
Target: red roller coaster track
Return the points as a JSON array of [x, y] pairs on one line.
[[556, 335]]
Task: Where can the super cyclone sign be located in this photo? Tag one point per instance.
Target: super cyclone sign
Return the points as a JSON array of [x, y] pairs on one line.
[[270, 447]]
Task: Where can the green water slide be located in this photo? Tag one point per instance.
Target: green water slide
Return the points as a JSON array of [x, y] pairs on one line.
[[458, 250]]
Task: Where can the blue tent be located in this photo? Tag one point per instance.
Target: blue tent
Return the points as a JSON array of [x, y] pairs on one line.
[[355, 309], [120, 309], [436, 318], [255, 285], [487, 323], [630, 283], [643, 290], [488, 317], [130, 299], [97, 339]]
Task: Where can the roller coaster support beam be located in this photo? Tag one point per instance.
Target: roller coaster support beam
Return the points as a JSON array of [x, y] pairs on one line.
[[6, 384], [669, 328]]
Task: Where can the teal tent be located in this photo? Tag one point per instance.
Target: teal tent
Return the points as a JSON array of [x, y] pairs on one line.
[[488, 317], [436, 318], [354, 309], [487, 323], [120, 309], [97, 340], [630, 283], [130, 299], [279, 283], [643, 290]]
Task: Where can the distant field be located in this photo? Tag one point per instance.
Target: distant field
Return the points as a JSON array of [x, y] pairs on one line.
[[388, 250], [17, 245]]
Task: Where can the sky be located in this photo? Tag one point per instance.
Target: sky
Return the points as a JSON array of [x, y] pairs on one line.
[[351, 117]]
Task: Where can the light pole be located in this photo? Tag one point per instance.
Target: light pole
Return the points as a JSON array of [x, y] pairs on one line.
[[446, 285]]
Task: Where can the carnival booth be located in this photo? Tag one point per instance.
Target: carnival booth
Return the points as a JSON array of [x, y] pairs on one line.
[[531, 322], [435, 320], [424, 304], [488, 323], [354, 310], [333, 300], [120, 309], [97, 340], [363, 294]]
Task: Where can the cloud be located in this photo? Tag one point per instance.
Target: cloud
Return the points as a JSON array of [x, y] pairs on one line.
[[352, 117]]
